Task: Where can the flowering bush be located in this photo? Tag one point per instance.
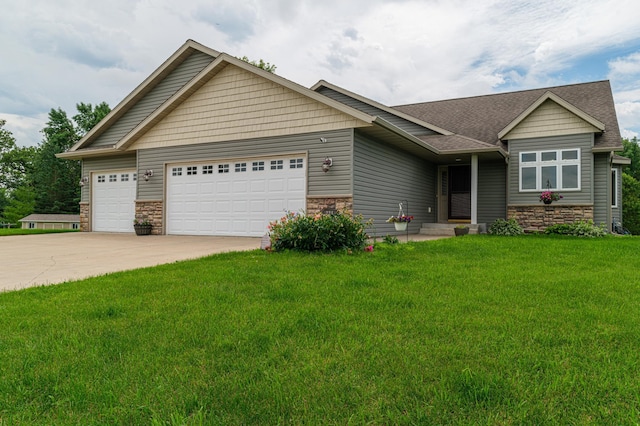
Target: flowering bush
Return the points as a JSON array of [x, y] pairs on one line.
[[320, 232], [549, 196], [142, 222], [400, 218]]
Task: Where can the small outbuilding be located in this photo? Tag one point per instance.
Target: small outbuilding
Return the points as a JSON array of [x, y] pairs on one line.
[[51, 221]]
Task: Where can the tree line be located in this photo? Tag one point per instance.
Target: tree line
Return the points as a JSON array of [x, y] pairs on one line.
[[32, 179]]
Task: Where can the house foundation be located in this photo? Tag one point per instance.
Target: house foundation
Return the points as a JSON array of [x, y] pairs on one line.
[[329, 205], [151, 211], [539, 217]]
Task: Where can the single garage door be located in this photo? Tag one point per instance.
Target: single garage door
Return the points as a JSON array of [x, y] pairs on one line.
[[233, 197], [113, 205]]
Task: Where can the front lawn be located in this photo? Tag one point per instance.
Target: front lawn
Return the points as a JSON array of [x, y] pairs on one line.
[[472, 330]]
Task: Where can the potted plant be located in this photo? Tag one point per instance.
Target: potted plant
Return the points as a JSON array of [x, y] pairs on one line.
[[548, 197], [142, 226], [400, 222], [461, 230]]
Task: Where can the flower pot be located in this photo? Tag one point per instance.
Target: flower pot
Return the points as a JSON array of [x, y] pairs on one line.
[[142, 229], [547, 201], [461, 231], [400, 226]]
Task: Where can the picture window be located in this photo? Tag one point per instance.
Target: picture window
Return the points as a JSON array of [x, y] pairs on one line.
[[555, 170]]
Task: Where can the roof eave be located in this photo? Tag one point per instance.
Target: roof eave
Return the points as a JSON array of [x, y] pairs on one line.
[[388, 126], [88, 153], [324, 83], [605, 149]]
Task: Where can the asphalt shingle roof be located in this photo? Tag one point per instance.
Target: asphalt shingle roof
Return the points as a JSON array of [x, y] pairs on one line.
[[483, 117]]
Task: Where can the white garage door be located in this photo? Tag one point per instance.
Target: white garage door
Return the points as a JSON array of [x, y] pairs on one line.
[[233, 197], [113, 205]]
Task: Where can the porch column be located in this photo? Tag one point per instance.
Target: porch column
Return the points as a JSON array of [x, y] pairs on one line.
[[474, 189]]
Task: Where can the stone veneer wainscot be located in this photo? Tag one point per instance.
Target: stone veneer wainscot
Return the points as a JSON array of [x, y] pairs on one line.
[[539, 217], [329, 204], [151, 211]]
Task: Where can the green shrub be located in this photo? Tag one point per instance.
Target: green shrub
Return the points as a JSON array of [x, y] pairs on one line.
[[506, 227], [320, 232], [390, 239], [580, 228]]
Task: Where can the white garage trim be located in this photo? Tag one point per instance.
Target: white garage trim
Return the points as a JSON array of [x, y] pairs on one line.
[[113, 200], [233, 197]]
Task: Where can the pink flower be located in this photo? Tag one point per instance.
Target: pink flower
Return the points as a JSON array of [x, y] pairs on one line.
[[368, 248]]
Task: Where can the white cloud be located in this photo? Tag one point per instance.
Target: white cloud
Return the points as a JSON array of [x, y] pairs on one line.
[[68, 51], [25, 129]]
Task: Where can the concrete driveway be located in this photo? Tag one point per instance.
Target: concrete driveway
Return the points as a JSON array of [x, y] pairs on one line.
[[30, 260]]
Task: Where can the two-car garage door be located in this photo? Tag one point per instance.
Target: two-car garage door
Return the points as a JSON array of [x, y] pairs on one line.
[[233, 197]]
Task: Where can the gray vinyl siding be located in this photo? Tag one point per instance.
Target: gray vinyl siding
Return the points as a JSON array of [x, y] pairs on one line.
[[492, 192], [582, 141], [406, 125], [92, 165], [616, 212], [337, 182], [601, 193], [383, 177], [156, 97]]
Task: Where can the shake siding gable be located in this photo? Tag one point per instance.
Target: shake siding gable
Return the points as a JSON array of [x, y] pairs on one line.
[[188, 69], [550, 119], [236, 104]]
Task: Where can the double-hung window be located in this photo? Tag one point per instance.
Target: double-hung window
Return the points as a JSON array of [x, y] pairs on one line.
[[557, 169]]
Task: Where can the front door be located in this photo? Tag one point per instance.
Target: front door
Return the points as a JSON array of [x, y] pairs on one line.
[[460, 192], [454, 193]]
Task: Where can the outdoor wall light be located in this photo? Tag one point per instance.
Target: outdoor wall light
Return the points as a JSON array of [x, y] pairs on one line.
[[147, 174], [84, 181], [326, 164], [323, 140]]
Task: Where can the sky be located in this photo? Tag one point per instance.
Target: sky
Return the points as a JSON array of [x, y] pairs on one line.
[[57, 53]]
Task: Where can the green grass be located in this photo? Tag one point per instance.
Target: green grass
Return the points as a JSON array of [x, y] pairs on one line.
[[473, 330], [19, 231]]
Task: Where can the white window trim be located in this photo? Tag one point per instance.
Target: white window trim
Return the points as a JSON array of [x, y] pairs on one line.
[[614, 186], [558, 162]]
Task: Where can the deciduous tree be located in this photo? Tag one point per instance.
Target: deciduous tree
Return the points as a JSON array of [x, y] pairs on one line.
[[55, 179]]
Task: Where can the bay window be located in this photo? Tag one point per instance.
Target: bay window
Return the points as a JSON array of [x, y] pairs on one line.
[[555, 169]]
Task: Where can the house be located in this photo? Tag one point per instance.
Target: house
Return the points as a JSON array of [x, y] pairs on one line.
[[51, 221], [209, 144]]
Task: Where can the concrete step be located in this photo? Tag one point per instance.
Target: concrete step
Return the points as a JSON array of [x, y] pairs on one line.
[[447, 229]]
